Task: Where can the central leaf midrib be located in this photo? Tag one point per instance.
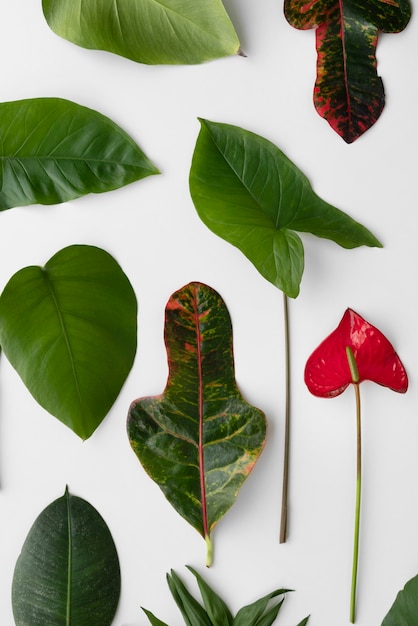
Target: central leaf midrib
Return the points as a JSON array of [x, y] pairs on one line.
[[63, 158], [64, 334]]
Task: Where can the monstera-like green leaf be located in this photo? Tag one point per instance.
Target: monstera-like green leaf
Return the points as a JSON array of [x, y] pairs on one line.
[[348, 92], [199, 440], [69, 330], [53, 150], [68, 571], [249, 193], [404, 610], [146, 31]]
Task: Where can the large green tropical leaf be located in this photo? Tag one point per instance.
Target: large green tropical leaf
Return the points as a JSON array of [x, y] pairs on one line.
[[250, 194], [404, 611], [69, 330], [146, 31], [53, 150], [199, 440], [348, 91], [68, 571]]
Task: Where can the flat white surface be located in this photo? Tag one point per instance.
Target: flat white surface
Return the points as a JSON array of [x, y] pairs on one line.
[[153, 231]]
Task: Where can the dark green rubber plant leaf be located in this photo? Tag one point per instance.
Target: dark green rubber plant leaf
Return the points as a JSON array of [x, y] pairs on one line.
[[198, 440], [53, 150], [69, 329], [250, 194], [146, 31], [214, 612], [68, 571], [404, 610], [348, 92]]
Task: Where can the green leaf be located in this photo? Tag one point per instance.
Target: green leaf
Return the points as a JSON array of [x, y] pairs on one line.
[[68, 570], [146, 31], [69, 330], [404, 610], [304, 621], [193, 613], [250, 194], [199, 440], [348, 92], [251, 614], [216, 608], [53, 150], [153, 620]]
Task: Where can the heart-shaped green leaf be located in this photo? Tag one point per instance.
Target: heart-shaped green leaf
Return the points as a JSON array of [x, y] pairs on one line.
[[348, 92], [250, 194], [146, 31], [69, 330], [68, 570], [404, 610], [199, 440], [54, 150]]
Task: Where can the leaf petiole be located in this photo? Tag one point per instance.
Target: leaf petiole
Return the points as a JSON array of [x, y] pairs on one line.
[[209, 550], [285, 488]]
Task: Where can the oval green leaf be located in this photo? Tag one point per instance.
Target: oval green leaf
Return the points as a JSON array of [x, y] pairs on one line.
[[68, 571], [146, 31], [249, 193], [69, 329], [54, 150], [404, 610], [199, 440]]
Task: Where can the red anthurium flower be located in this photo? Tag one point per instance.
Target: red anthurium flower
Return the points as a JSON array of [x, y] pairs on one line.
[[328, 373]]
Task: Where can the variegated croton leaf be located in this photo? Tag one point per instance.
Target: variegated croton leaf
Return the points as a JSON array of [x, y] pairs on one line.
[[348, 92], [198, 440]]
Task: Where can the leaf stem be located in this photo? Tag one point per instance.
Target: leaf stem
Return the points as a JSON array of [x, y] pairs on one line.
[[357, 513], [285, 487], [209, 551]]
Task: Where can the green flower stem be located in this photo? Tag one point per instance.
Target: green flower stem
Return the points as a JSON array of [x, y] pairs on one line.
[[285, 488], [209, 551]]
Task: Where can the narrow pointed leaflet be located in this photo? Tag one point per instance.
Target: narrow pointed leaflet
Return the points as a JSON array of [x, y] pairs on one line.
[[147, 31], [198, 440], [354, 352], [249, 193], [348, 92]]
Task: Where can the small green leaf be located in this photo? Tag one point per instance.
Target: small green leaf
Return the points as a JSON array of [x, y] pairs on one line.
[[304, 621], [68, 570], [69, 330], [146, 31], [200, 439], [404, 610], [216, 608], [193, 613], [251, 614], [249, 193], [153, 620], [54, 150]]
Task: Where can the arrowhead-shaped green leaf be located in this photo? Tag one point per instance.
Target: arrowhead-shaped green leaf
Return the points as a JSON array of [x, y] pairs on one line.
[[348, 92], [53, 150], [69, 330], [404, 610], [146, 31], [68, 571], [200, 439], [250, 194]]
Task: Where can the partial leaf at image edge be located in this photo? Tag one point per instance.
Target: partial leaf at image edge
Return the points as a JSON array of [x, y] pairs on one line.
[[54, 150], [199, 439], [404, 610], [249, 193], [147, 31], [68, 570], [70, 330]]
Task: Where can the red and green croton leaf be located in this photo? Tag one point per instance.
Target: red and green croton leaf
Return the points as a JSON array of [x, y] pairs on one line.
[[348, 92], [199, 439]]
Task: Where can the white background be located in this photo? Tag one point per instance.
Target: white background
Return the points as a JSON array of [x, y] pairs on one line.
[[153, 231]]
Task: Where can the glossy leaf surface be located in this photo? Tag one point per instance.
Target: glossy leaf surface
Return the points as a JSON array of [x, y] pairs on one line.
[[199, 440], [68, 571], [404, 610], [147, 31], [327, 371], [348, 92], [54, 150], [250, 194], [69, 330]]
